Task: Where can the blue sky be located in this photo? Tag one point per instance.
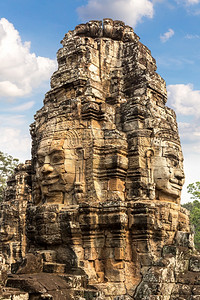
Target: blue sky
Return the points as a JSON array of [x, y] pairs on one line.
[[30, 34]]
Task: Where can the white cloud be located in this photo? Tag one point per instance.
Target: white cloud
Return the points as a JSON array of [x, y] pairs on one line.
[[167, 35], [192, 1], [188, 2], [14, 121], [190, 136], [184, 99], [9, 89], [191, 168], [22, 107], [129, 11], [20, 70], [2, 33], [191, 6], [15, 138], [186, 103], [192, 36], [172, 62], [15, 142]]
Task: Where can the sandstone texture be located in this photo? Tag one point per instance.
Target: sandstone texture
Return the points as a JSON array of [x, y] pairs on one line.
[[96, 213]]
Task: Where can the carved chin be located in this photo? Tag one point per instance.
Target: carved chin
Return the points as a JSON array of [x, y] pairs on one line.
[[56, 186], [170, 189], [56, 189], [53, 197]]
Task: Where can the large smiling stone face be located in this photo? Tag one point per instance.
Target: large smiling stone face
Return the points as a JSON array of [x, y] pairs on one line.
[[55, 171], [168, 170]]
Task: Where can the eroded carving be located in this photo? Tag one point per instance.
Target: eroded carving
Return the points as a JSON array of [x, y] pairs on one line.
[[168, 170], [59, 169], [95, 28], [108, 28], [107, 174], [128, 34]]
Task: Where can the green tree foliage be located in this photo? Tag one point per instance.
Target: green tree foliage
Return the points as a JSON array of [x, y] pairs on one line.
[[7, 166], [194, 208], [194, 190]]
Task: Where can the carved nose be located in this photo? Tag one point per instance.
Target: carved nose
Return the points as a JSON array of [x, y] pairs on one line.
[[47, 168], [179, 174]]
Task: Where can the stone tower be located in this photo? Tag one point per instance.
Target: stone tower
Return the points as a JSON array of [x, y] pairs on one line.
[[104, 220]]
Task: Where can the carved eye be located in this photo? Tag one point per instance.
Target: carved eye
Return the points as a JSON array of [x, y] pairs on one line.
[[174, 161], [40, 160], [57, 158]]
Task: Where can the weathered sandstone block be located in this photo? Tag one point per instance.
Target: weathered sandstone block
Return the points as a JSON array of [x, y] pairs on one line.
[[101, 213]]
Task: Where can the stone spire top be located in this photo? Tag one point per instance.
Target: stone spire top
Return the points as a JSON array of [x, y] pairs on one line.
[[116, 30]]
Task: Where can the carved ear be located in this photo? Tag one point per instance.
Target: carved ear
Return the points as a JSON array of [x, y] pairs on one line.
[[80, 152], [149, 155], [37, 194], [79, 173]]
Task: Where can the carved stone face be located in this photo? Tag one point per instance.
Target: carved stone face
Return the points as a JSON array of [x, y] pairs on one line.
[[81, 29], [128, 34], [107, 27], [168, 170], [118, 30], [94, 28], [55, 171]]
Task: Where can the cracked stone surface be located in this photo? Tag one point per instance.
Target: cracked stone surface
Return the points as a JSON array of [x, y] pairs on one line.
[[96, 213]]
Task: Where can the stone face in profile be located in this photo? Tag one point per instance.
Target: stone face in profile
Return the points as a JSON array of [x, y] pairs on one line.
[[168, 170]]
